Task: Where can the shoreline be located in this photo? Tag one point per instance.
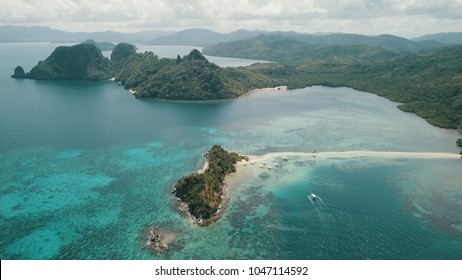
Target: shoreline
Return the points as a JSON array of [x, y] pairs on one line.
[[263, 90], [250, 92]]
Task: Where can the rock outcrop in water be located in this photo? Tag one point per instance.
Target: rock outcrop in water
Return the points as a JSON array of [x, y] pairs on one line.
[[156, 241], [79, 62], [19, 73]]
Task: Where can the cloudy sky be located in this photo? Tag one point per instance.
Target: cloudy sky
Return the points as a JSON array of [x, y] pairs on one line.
[[406, 18]]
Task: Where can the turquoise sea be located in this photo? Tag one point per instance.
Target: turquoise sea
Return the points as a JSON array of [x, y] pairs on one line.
[[85, 169]]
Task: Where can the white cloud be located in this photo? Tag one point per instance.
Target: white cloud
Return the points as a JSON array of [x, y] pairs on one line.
[[356, 16], [438, 9]]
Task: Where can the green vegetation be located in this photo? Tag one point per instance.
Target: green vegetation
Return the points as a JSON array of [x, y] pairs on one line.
[[192, 77], [293, 52], [459, 142], [428, 83], [122, 52], [19, 73], [79, 62], [202, 192], [102, 46]]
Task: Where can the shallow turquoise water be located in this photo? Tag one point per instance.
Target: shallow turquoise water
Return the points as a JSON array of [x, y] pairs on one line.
[[85, 169]]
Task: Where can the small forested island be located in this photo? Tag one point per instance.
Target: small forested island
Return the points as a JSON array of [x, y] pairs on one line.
[[203, 192]]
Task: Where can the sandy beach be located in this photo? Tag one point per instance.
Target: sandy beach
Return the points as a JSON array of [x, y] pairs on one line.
[[256, 163], [263, 90], [353, 154]]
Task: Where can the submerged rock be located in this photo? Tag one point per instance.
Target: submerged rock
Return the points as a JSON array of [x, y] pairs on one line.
[[156, 240]]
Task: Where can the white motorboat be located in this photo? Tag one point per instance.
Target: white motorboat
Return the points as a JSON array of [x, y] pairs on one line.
[[312, 196]]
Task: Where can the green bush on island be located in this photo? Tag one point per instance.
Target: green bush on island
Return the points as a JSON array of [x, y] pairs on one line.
[[202, 192], [459, 142]]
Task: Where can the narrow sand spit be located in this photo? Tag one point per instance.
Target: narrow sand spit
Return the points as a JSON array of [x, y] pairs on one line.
[[353, 154], [263, 161]]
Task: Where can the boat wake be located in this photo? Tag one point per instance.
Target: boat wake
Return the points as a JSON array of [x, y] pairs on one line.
[[321, 201], [318, 203]]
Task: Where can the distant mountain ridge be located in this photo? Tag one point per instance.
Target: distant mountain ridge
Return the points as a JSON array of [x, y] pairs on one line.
[[447, 38], [386, 41], [11, 33], [280, 48], [205, 38]]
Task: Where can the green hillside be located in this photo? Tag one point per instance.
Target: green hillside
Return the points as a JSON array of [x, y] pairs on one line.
[[429, 82], [192, 77], [79, 62], [294, 52]]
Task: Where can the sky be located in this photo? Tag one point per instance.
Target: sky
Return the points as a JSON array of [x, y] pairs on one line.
[[407, 18]]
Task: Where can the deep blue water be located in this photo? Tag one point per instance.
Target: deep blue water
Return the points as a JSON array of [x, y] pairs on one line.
[[85, 169]]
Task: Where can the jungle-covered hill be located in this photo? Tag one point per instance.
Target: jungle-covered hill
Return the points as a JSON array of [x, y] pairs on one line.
[[79, 62], [192, 77]]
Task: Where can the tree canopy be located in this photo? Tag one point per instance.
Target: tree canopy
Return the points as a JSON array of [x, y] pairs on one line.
[[202, 192]]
